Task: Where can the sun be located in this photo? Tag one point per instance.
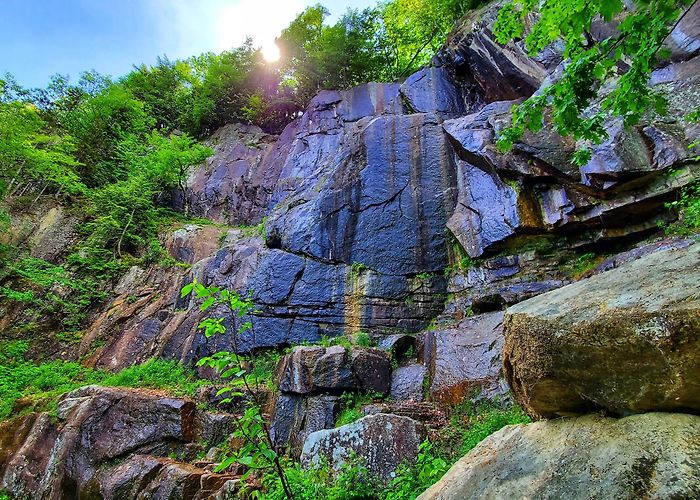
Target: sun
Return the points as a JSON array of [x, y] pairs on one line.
[[271, 52]]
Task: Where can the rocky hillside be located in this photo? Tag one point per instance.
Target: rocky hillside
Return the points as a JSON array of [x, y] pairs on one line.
[[386, 213]]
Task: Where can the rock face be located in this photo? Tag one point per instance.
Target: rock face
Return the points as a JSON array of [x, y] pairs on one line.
[[320, 369], [626, 341], [382, 442], [642, 456], [97, 426], [354, 198], [311, 380], [144, 476], [466, 359]]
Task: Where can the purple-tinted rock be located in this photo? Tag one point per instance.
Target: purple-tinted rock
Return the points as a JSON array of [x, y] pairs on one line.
[[372, 370], [434, 90], [466, 358], [407, 382], [295, 417]]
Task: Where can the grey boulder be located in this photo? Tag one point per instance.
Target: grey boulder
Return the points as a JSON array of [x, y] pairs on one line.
[[650, 456]]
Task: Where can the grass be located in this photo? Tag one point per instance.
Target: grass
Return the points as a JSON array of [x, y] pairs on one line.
[[471, 423], [44, 382], [688, 207], [351, 407]]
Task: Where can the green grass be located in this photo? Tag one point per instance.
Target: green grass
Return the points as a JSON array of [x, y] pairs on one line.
[[44, 382], [688, 207], [351, 404]]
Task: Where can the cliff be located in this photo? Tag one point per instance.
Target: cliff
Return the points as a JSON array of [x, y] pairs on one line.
[[387, 210]]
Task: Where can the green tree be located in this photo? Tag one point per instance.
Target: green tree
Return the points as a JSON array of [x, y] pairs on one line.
[[165, 89], [102, 125], [31, 153], [416, 29], [601, 79], [125, 214], [257, 451], [317, 56]]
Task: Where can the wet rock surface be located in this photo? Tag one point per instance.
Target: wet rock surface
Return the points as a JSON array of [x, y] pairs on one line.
[[465, 360], [317, 369], [407, 382], [651, 455], [356, 194], [311, 380]]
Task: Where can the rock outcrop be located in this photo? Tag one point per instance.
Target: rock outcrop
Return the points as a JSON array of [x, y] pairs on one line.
[[381, 442], [625, 341], [97, 428], [654, 455], [311, 381], [354, 196], [465, 359]]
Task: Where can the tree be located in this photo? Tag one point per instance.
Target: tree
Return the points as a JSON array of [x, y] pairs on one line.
[[29, 152], [101, 126], [164, 89], [257, 452], [601, 79], [415, 29], [125, 214]]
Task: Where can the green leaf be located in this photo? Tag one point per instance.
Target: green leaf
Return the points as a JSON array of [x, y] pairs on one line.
[[609, 8]]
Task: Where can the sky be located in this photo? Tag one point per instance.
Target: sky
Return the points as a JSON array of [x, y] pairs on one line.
[[40, 38]]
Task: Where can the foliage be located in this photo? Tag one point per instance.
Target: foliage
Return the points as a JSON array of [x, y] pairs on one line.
[[351, 404], [362, 339], [468, 426], [384, 43], [688, 207], [257, 451], [471, 422], [30, 152], [615, 69], [351, 482], [46, 381], [124, 214], [49, 291], [413, 479], [415, 29]]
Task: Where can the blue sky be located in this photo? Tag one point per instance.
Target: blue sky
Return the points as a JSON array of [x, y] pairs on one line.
[[39, 38]]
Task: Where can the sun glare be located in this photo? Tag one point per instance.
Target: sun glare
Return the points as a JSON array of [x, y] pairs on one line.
[[271, 52]]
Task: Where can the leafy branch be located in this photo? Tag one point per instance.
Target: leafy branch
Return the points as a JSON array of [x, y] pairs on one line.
[[257, 452], [618, 67]]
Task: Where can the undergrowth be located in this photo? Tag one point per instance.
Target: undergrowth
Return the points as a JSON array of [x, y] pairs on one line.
[[688, 207], [469, 424], [44, 382]]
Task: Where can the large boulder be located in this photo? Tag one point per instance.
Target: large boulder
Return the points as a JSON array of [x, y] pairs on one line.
[[626, 341], [316, 369], [407, 382], [144, 476], [296, 416], [95, 426], [642, 456], [380, 442]]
